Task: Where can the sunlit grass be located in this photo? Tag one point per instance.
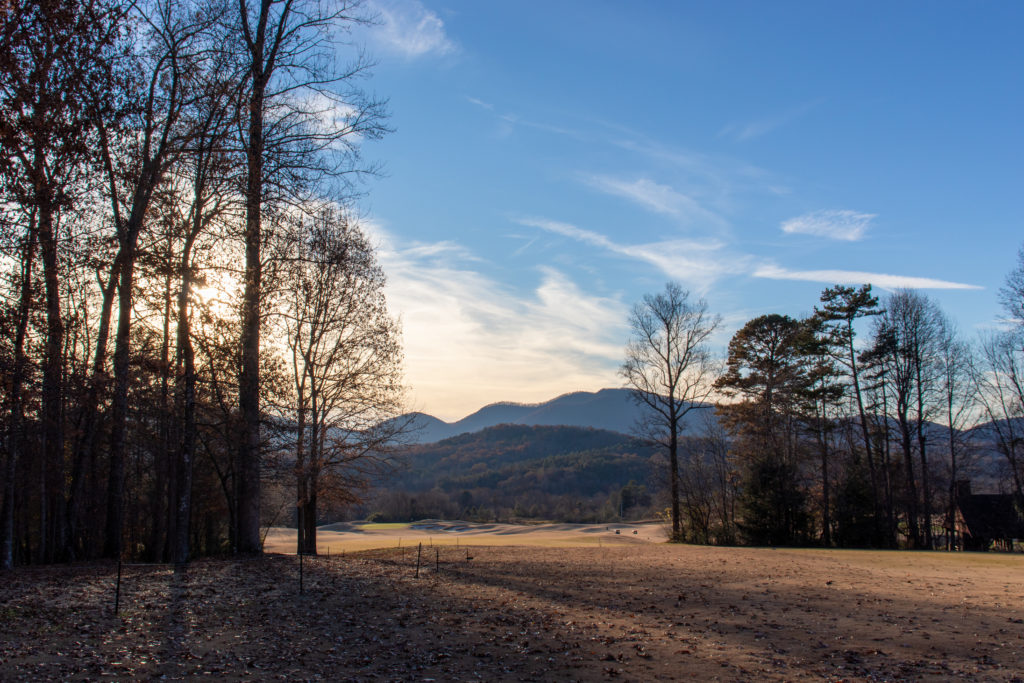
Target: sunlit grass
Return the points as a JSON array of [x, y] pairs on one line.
[[369, 536]]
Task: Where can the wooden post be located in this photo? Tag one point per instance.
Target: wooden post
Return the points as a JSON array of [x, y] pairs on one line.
[[419, 551]]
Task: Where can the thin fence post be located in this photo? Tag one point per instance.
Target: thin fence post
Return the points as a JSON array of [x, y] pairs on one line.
[[301, 587], [419, 551]]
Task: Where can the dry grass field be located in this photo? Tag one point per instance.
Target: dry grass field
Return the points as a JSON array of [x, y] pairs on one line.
[[350, 536], [632, 610]]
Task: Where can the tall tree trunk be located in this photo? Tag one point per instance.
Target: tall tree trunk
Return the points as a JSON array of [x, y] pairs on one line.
[[15, 435], [866, 434], [186, 398], [826, 511], [112, 544], [925, 488], [908, 462], [673, 461], [186, 456], [249, 378], [86, 446], [886, 450], [921, 443], [951, 510], [51, 474], [301, 492]]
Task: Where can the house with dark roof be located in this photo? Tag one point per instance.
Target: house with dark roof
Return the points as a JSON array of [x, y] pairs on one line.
[[984, 521]]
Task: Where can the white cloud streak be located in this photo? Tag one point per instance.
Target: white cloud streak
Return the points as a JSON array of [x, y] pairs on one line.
[[655, 197], [755, 129], [480, 103], [470, 340], [840, 224], [854, 277], [409, 29], [698, 264]]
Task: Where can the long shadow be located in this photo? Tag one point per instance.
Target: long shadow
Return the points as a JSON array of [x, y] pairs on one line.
[[526, 614], [173, 625], [763, 616]]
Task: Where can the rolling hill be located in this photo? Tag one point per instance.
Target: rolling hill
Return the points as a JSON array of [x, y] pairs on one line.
[[554, 472]]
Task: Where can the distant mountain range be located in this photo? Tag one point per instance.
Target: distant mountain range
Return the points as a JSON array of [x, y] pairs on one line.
[[572, 458], [608, 409]]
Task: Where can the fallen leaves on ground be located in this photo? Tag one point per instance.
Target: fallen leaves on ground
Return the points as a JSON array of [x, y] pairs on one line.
[[640, 613]]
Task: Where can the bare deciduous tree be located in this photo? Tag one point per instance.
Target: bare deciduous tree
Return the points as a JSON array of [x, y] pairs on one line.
[[346, 364], [304, 118], [670, 371], [1001, 394]]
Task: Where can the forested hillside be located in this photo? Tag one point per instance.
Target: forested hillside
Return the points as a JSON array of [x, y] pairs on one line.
[[564, 473]]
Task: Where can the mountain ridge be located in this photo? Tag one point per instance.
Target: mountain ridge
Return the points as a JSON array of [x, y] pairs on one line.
[[609, 409]]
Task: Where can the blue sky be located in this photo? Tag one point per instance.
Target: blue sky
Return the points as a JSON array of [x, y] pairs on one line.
[[553, 162]]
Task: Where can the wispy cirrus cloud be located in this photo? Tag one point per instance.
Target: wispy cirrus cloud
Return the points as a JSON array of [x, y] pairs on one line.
[[480, 103], [409, 29], [469, 339], [509, 121], [655, 197], [855, 277], [837, 224], [741, 132], [697, 263], [717, 176]]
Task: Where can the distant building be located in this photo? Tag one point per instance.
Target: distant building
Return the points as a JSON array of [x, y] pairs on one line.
[[986, 521]]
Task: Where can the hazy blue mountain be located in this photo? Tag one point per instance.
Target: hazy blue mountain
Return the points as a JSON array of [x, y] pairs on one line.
[[423, 428], [607, 409]]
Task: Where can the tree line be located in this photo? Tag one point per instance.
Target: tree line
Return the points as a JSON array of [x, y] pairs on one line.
[[848, 427], [188, 301]]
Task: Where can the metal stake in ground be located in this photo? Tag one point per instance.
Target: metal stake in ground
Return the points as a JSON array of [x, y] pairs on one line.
[[419, 551]]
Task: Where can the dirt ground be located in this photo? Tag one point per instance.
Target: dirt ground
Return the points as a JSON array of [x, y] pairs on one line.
[[635, 611]]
